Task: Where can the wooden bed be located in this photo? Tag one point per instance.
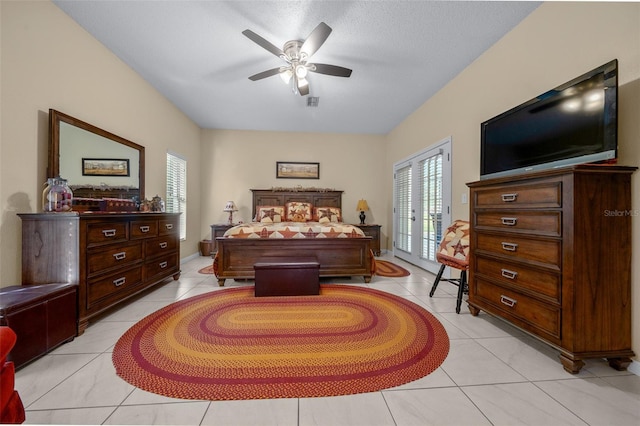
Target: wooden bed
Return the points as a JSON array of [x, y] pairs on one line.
[[338, 257]]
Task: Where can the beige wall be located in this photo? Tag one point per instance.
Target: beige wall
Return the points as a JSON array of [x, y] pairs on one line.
[[236, 161], [48, 61], [557, 42]]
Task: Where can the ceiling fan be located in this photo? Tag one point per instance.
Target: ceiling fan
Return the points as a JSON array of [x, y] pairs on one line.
[[296, 54]]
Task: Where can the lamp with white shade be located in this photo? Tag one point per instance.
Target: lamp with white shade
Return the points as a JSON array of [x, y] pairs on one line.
[[230, 207]]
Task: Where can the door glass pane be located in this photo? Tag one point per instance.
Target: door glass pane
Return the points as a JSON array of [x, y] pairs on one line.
[[431, 195], [403, 208]]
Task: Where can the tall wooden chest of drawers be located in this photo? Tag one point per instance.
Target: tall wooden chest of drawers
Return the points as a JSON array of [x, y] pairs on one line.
[[112, 256], [551, 253]]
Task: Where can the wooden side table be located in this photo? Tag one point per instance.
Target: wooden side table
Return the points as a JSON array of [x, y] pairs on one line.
[[374, 232], [218, 230]]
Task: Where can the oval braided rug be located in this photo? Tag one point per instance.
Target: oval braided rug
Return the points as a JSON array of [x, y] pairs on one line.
[[228, 344]]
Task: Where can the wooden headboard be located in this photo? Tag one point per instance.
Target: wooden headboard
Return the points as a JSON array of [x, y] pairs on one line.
[[277, 197]]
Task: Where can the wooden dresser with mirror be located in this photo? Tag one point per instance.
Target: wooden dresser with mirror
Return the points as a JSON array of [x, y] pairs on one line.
[[112, 255]]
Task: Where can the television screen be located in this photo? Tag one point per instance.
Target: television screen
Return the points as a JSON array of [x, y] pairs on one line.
[[574, 123]]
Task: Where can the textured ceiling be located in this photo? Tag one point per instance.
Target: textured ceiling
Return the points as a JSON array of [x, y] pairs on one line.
[[194, 53]]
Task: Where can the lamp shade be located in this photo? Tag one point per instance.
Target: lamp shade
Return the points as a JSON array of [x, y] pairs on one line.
[[230, 207], [362, 206]]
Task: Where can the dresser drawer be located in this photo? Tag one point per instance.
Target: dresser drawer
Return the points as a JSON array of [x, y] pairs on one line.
[[168, 226], [160, 245], [144, 229], [542, 318], [543, 283], [521, 248], [107, 232], [543, 223], [111, 285], [103, 258], [160, 266], [540, 195]]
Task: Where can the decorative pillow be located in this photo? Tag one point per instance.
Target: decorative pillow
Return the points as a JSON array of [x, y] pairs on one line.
[[298, 212], [269, 214], [327, 214]]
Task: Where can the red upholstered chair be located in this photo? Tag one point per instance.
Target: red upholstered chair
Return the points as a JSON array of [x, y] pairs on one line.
[[454, 252], [11, 408]]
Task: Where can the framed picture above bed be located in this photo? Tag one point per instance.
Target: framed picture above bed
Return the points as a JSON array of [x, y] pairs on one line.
[[297, 170]]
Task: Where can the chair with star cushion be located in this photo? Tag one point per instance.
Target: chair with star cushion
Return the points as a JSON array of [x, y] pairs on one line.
[[453, 252]]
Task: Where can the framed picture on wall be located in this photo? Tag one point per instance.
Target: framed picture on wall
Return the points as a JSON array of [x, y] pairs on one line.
[[105, 167], [297, 170]]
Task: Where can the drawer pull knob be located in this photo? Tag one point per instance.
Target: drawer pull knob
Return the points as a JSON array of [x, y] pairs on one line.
[[120, 281], [509, 221], [120, 256], [509, 198], [509, 246], [144, 229], [163, 245], [109, 232], [163, 265], [509, 274], [508, 301], [169, 225]]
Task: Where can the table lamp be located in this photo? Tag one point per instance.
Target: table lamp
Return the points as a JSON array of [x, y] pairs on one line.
[[362, 207], [230, 207]]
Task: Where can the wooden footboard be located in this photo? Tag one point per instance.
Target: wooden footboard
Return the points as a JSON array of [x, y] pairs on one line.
[[338, 257]]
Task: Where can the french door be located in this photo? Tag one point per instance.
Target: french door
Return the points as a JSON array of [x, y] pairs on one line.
[[422, 204]]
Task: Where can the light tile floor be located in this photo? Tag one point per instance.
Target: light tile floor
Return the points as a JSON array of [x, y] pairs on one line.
[[493, 375]]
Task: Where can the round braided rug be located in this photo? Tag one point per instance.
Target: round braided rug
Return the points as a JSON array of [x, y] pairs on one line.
[[229, 344], [385, 268]]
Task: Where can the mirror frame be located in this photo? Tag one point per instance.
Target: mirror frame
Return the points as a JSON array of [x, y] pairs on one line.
[[56, 117]]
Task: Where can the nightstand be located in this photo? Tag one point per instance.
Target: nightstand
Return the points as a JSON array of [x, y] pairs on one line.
[[218, 230], [374, 232]]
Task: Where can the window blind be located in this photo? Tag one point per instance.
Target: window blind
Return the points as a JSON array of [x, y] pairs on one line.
[[176, 199], [403, 208]]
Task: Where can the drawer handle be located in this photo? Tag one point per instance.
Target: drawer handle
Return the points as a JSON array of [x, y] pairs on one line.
[[120, 256], [509, 274], [509, 221], [169, 225], [509, 246], [508, 301], [163, 245], [109, 232], [120, 281], [509, 198], [144, 229], [163, 265]]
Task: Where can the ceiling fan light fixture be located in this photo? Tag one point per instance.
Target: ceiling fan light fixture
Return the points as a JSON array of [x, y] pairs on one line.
[[286, 76], [301, 71]]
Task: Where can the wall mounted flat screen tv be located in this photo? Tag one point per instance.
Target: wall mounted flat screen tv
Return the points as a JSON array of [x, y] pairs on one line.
[[575, 123]]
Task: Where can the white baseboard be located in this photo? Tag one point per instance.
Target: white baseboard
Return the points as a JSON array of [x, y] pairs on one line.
[[634, 367], [189, 258]]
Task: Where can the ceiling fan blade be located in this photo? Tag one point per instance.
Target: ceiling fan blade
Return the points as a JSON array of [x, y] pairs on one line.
[[303, 86], [265, 74], [315, 39], [263, 43], [330, 70]]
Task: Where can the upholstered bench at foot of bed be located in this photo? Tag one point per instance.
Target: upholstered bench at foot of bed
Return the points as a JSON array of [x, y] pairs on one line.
[[287, 276]]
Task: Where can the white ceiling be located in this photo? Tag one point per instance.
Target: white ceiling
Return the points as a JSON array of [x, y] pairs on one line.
[[194, 53]]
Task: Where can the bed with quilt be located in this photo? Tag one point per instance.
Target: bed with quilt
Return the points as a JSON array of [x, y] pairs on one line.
[[295, 229]]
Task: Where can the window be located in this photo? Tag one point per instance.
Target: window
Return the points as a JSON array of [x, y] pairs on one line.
[[177, 190]]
